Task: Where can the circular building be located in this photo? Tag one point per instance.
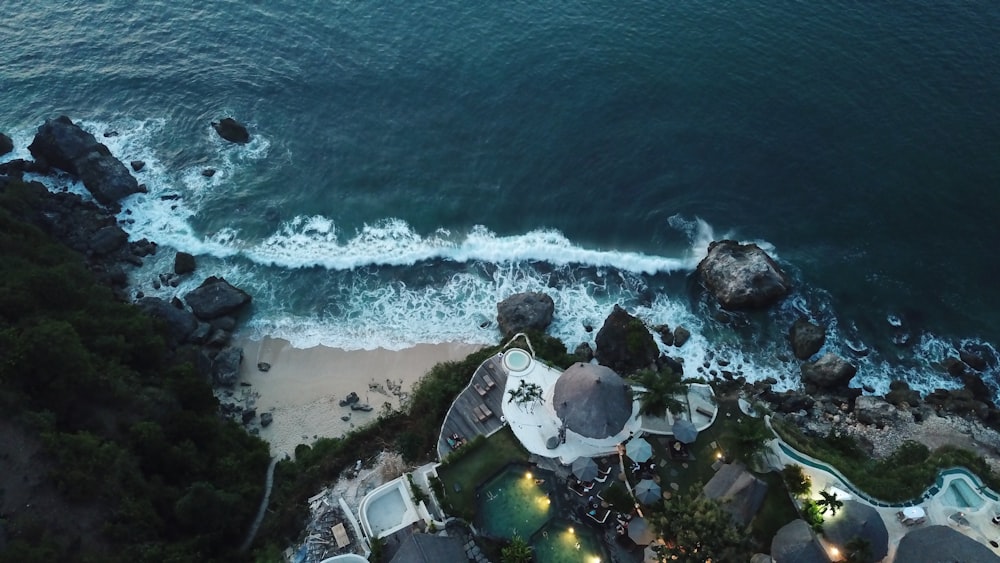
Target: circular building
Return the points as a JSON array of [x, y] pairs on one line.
[[592, 400]]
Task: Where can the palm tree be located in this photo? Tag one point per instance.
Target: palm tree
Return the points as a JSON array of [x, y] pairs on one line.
[[658, 391], [517, 551], [829, 502], [750, 439]]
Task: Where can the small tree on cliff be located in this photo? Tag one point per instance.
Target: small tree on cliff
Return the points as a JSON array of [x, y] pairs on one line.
[[659, 391]]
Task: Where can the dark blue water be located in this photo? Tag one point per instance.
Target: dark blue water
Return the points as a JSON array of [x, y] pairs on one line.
[[413, 164]]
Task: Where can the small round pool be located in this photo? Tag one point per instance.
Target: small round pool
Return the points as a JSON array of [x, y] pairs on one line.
[[516, 360]]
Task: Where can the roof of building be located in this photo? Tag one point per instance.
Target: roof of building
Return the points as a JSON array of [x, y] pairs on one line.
[[592, 400], [427, 548], [742, 492], [856, 519], [932, 544], [795, 542]]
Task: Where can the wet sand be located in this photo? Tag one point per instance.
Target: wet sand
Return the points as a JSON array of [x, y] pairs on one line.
[[302, 388]]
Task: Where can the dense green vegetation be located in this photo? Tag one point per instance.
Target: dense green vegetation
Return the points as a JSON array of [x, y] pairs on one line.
[[697, 529], [134, 462], [482, 457], [904, 475]]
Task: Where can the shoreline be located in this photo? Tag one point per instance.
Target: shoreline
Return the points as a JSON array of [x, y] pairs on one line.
[[303, 387]]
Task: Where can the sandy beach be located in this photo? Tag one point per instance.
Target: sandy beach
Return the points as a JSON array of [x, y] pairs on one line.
[[302, 388]]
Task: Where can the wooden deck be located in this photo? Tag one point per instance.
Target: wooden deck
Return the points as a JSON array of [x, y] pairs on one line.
[[463, 418]]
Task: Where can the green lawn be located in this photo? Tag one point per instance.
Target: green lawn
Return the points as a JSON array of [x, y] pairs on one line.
[[483, 458]]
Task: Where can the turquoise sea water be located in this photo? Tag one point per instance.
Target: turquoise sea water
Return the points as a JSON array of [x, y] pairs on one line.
[[414, 163]]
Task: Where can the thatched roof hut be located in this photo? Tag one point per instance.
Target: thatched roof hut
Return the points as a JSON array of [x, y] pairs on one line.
[[740, 493], [941, 543], [857, 519], [795, 542], [592, 400]]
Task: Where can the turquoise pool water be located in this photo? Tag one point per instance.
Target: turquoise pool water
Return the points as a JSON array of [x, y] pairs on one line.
[[514, 502], [562, 542], [960, 495]]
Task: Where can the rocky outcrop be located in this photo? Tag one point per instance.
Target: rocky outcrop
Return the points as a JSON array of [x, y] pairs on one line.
[[231, 130], [829, 372], [62, 144], [6, 144], [524, 311], [215, 298], [874, 410], [900, 394], [806, 338], [681, 336], [180, 323], [583, 353], [183, 263], [624, 344], [226, 366], [742, 276]]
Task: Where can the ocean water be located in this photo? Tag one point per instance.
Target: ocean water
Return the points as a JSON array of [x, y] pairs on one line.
[[414, 163]]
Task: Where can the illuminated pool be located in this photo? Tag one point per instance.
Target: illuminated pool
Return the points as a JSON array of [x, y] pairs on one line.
[[562, 542], [518, 500]]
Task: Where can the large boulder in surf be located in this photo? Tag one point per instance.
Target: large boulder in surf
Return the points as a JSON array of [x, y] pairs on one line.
[[180, 323], [231, 130], [61, 143], [524, 311], [215, 298], [829, 372], [742, 276], [6, 144], [624, 344], [807, 338]]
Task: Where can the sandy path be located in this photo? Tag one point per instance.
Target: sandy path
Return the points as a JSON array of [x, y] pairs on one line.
[[303, 387]]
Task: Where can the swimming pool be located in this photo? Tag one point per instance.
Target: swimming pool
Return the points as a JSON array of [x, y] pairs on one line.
[[960, 495], [560, 541], [387, 509], [518, 500], [516, 360]]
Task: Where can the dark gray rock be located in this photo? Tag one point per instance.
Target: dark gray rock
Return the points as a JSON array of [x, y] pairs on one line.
[[624, 344], [143, 247], [681, 336], [137, 165], [807, 338], [225, 322], [666, 335], [873, 410], [107, 240], [180, 323], [62, 144], [226, 366], [201, 333], [900, 394], [742, 276], [248, 415], [208, 172], [584, 353], [972, 360], [263, 366], [351, 399], [266, 419], [216, 297], [219, 338], [183, 263], [524, 311], [231, 130], [829, 372], [6, 144]]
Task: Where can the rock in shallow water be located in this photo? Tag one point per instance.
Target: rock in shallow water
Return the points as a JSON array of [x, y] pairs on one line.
[[231, 130], [742, 276]]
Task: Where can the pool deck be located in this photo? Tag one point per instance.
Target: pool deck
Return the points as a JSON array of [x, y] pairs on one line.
[[462, 418], [977, 524]]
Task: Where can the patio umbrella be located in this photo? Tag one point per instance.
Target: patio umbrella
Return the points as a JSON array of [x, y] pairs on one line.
[[585, 469], [640, 532], [639, 450], [684, 431], [647, 491]]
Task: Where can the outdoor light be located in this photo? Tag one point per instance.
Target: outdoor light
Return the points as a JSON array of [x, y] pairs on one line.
[[527, 475], [718, 455], [835, 551], [571, 531]]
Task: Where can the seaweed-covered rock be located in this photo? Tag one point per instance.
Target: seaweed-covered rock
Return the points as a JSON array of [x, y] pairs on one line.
[[226, 366], [524, 311], [742, 276], [231, 130], [180, 323], [216, 297], [624, 344]]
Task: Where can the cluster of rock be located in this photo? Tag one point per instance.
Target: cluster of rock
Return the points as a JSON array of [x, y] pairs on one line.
[[206, 317]]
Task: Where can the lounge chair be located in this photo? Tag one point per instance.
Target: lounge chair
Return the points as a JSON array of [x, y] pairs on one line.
[[704, 411], [490, 384], [479, 389], [482, 413]]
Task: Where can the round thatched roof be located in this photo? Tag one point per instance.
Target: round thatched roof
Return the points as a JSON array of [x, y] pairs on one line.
[[857, 519], [796, 543], [941, 543], [592, 400]]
